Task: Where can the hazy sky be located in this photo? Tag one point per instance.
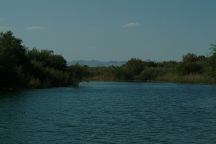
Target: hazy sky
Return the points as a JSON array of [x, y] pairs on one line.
[[113, 29]]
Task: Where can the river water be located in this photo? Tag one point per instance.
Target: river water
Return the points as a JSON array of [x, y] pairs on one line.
[[110, 113]]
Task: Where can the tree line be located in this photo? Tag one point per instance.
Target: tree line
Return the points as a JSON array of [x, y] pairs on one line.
[[21, 67], [192, 69]]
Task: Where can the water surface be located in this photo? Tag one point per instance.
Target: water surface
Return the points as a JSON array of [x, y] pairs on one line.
[[110, 113]]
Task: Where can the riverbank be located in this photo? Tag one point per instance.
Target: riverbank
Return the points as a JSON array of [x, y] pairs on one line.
[[192, 69], [170, 78]]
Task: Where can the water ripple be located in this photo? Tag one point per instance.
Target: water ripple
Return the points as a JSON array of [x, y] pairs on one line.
[[110, 113]]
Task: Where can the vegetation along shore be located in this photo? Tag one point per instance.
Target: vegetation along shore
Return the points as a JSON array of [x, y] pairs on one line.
[[192, 69], [22, 67]]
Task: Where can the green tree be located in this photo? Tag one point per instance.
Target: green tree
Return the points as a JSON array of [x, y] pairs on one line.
[[133, 68], [47, 58], [77, 73], [12, 61], [212, 62], [20, 67], [192, 64], [190, 58]]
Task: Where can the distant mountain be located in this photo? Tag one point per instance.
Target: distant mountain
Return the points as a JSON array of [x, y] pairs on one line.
[[97, 63]]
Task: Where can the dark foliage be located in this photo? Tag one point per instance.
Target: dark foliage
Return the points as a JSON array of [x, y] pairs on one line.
[[22, 68], [192, 68]]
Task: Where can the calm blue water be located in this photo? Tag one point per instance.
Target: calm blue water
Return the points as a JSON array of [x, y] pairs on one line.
[[110, 113]]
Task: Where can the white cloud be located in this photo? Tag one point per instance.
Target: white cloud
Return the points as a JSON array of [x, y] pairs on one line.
[[31, 28], [132, 25]]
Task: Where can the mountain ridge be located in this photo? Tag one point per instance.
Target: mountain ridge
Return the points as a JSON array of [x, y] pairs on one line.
[[97, 63]]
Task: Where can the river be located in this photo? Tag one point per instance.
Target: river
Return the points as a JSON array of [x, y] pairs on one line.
[[110, 113]]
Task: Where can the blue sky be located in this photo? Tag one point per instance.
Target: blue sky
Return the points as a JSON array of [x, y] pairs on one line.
[[113, 29]]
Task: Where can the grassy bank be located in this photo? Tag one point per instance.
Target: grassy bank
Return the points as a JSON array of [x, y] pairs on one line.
[[192, 69]]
